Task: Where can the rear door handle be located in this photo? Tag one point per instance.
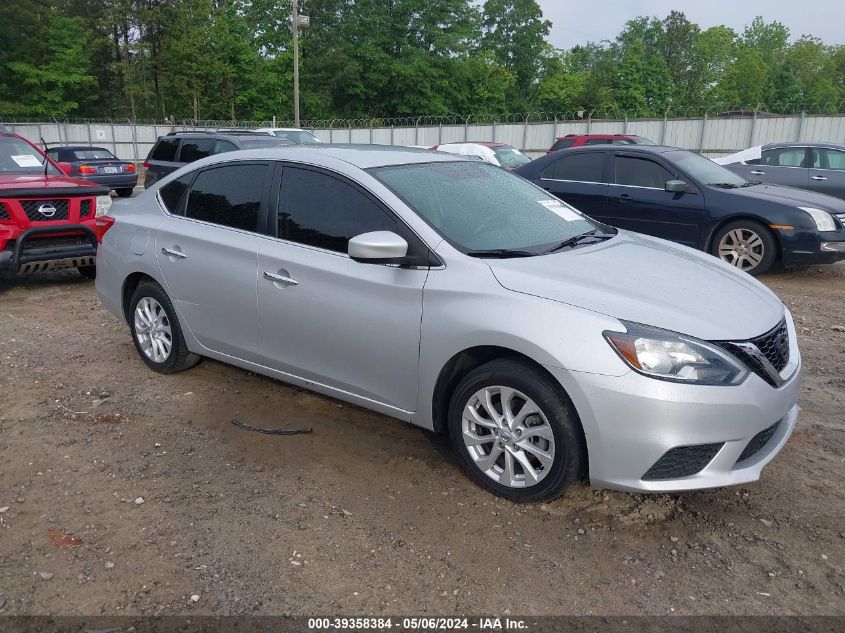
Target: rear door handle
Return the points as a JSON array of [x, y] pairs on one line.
[[173, 253], [757, 172], [280, 279], [818, 178], [624, 197]]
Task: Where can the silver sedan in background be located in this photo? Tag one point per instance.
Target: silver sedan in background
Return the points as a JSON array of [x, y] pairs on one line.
[[453, 295]]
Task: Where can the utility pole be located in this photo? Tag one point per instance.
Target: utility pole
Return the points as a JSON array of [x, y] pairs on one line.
[[297, 22]]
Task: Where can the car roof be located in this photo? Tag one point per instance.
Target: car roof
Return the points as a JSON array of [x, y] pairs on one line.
[[280, 129], [644, 149], [76, 147], [599, 136], [326, 155], [820, 145]]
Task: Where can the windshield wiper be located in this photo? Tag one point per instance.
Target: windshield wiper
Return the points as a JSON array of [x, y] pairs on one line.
[[575, 240], [501, 253], [724, 185], [751, 183]]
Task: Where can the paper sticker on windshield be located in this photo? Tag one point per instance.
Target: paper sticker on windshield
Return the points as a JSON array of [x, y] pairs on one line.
[[26, 160], [556, 206]]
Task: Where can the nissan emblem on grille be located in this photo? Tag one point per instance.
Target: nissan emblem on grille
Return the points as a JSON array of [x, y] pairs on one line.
[[47, 210]]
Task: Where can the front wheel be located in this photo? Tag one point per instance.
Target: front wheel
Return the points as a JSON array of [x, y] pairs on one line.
[[747, 245], [156, 331], [515, 432]]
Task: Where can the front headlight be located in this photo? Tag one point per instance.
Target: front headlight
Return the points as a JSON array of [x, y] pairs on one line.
[[103, 205], [670, 356], [824, 221]]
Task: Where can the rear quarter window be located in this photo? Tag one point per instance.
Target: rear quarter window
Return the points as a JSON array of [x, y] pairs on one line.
[[173, 192]]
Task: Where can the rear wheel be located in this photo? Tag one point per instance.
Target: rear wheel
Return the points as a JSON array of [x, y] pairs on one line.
[[124, 193], [747, 245], [156, 331], [515, 432], [89, 272]]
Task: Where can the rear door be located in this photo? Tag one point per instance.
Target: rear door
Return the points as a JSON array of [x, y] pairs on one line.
[[207, 250], [351, 326], [827, 174], [162, 160], [579, 178], [638, 200]]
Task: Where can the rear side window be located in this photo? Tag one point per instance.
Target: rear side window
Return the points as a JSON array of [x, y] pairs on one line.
[[165, 149], [171, 194], [195, 148], [229, 195], [641, 172], [319, 210], [563, 143], [577, 167]]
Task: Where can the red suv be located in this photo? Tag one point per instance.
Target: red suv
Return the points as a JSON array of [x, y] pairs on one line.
[[48, 220], [575, 140]]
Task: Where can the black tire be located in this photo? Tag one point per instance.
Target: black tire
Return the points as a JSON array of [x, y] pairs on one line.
[[569, 464], [89, 272], [124, 193], [179, 357], [766, 240]]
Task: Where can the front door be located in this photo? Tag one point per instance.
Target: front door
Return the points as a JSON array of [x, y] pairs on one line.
[[638, 201], [827, 175], [326, 318], [208, 255]]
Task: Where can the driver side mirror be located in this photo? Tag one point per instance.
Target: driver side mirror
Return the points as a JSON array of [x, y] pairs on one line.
[[378, 247], [65, 168], [676, 186]]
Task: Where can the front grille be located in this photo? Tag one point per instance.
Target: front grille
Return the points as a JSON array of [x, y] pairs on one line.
[[757, 442], [774, 345], [31, 207], [4, 212], [841, 218], [682, 461], [85, 209]]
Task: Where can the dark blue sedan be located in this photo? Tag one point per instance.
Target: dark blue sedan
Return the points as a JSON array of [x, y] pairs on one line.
[[98, 165], [683, 197]]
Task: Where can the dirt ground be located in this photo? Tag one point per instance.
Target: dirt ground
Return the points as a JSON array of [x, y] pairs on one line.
[[126, 492]]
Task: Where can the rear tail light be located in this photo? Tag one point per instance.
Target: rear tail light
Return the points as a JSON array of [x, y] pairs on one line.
[[130, 168], [86, 169], [146, 165], [103, 224]]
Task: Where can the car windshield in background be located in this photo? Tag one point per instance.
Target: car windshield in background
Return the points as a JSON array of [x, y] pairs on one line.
[[255, 143], [483, 209], [300, 137], [705, 170], [19, 157], [641, 140], [94, 154], [510, 156]]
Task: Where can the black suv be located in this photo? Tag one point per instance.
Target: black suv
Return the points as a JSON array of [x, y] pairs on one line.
[[180, 148]]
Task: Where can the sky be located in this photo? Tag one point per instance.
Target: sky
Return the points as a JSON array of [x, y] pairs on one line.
[[578, 22]]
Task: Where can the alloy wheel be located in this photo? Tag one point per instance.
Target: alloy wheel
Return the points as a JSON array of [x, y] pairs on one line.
[[508, 437], [742, 248], [152, 327]]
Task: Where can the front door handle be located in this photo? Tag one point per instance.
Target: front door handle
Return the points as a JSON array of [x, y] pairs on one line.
[[173, 253], [757, 172], [818, 178], [280, 279], [624, 197]]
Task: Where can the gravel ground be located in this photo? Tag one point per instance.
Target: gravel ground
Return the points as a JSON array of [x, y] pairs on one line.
[[126, 492]]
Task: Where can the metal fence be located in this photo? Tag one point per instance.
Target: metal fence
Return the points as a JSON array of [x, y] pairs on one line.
[[712, 135]]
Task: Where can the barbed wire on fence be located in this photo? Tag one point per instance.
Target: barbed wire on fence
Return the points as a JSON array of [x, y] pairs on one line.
[[476, 118]]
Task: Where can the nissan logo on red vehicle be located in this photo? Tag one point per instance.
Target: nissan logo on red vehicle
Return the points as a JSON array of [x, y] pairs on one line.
[[47, 210]]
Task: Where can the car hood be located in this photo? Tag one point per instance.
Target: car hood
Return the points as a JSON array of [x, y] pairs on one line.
[[789, 196], [30, 181], [649, 281]]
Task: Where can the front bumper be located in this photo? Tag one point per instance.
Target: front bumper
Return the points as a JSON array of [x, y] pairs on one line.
[[35, 251], [632, 422], [113, 181], [803, 247]]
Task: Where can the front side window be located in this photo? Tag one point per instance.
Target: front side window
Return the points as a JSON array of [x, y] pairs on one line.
[[165, 149], [320, 210], [221, 146], [479, 207], [587, 167], [196, 148], [641, 172], [784, 157], [229, 195], [19, 157]]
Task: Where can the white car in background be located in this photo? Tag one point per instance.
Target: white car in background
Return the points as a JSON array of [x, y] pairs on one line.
[[294, 134], [497, 154]]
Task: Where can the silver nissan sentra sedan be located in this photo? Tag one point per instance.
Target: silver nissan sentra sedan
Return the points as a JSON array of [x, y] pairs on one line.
[[453, 295]]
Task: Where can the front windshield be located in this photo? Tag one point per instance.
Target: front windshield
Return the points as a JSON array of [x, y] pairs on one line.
[[300, 137], [705, 170], [480, 207], [510, 157], [19, 157]]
